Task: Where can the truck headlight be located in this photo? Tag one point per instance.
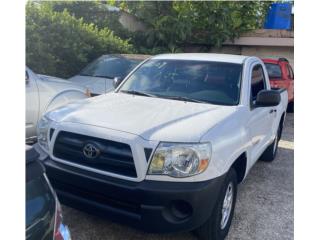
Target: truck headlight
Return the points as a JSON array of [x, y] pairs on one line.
[[43, 132], [180, 160]]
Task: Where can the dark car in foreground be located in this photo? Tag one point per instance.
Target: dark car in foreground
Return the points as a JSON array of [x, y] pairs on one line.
[[43, 211]]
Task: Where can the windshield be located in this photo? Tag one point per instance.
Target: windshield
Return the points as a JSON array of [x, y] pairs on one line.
[[110, 67], [273, 70], [205, 81], [39, 200]]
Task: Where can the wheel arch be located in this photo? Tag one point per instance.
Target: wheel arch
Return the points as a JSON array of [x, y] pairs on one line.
[[64, 97], [240, 166], [281, 123]]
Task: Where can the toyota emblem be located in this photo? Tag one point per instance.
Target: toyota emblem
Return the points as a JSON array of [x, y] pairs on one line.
[[91, 151]]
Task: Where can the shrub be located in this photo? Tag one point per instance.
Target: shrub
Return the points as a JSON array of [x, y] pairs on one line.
[[95, 12], [61, 45]]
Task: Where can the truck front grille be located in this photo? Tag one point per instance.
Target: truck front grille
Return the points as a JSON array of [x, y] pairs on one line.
[[114, 157]]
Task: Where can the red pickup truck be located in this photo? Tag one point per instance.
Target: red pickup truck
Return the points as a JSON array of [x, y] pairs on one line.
[[281, 76]]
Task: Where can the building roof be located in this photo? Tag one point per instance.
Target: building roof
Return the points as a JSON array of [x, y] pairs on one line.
[[264, 37]]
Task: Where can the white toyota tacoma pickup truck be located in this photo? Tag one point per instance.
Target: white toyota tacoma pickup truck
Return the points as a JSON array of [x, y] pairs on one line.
[[166, 150]]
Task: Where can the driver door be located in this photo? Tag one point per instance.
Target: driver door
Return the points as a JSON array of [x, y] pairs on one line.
[[260, 118]]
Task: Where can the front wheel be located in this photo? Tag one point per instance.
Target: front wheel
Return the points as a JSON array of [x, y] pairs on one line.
[[218, 224]]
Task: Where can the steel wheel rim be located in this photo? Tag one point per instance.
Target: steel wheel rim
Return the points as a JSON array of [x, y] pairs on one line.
[[227, 206]]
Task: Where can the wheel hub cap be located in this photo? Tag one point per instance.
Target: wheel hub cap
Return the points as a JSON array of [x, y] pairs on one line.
[[227, 206]]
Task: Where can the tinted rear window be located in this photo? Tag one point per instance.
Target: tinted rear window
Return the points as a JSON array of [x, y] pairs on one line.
[[257, 81], [274, 70]]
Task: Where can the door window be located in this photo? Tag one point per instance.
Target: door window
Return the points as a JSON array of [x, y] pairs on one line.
[[257, 81], [290, 72]]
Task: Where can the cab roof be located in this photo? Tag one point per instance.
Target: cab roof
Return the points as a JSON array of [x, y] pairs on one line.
[[214, 57], [274, 60], [129, 56]]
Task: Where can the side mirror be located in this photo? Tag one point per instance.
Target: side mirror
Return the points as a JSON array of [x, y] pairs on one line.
[[27, 77], [268, 98], [117, 81]]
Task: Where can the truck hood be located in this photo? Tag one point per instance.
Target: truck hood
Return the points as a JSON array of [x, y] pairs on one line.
[[96, 85], [150, 118]]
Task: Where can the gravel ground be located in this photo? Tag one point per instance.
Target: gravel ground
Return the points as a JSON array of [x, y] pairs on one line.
[[264, 208]]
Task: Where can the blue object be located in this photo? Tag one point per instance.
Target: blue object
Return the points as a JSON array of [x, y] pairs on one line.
[[279, 16]]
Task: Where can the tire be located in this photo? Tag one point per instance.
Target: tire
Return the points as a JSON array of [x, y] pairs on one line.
[[271, 152], [214, 228], [290, 108]]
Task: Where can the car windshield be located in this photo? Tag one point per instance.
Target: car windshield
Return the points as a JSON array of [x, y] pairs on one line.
[[110, 67], [273, 70], [186, 80], [39, 200]]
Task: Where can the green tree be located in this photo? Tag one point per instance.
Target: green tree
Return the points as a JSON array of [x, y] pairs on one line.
[[61, 45], [174, 24]]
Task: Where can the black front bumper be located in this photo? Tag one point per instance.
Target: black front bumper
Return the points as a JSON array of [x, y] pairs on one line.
[[152, 206]]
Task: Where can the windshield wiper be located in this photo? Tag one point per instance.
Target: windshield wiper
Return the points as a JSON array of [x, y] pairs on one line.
[[187, 99], [138, 93], [103, 76], [100, 76]]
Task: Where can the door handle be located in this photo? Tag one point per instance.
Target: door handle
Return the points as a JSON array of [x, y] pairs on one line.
[[272, 111]]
